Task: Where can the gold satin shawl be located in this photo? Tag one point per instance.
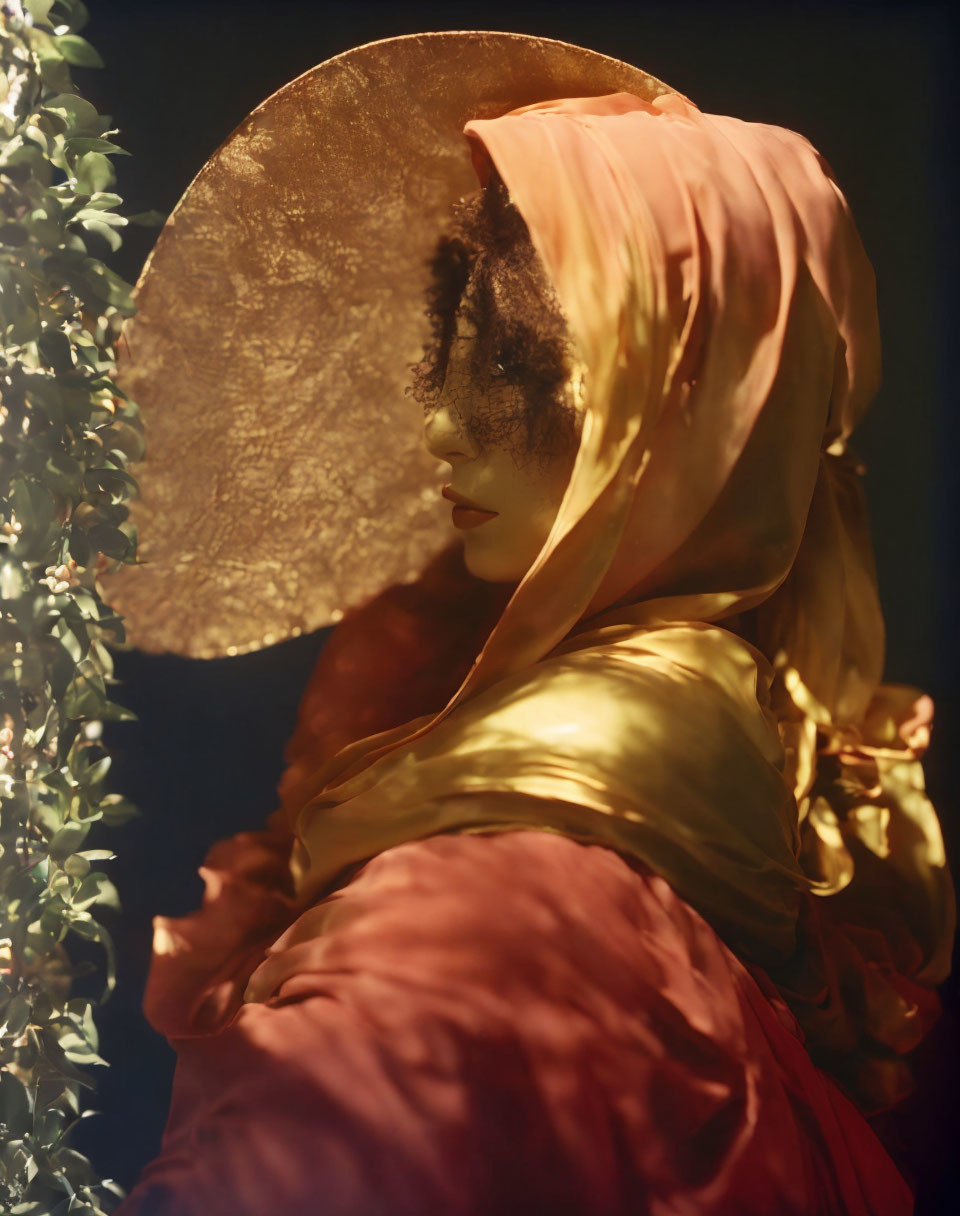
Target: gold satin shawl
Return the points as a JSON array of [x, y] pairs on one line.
[[724, 311], [656, 744]]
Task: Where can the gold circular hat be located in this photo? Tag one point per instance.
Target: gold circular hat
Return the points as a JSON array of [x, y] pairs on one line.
[[278, 315]]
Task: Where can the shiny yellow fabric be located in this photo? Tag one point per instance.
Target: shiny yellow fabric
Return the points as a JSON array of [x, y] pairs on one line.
[[590, 743], [725, 315]]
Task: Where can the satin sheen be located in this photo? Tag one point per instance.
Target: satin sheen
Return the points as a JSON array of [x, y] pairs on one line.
[[518, 1024], [700, 639]]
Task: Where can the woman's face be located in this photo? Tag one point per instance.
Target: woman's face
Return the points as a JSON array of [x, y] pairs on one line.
[[510, 447]]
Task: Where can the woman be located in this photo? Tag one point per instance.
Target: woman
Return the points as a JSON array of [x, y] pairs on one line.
[[594, 839]]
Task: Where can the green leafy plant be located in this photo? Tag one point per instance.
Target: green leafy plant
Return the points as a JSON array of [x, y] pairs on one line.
[[67, 435]]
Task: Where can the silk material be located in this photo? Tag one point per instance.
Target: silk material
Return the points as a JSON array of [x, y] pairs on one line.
[[590, 743], [488, 1026], [725, 315]]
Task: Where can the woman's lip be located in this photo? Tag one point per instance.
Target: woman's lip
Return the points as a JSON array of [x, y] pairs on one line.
[[470, 517], [460, 500], [466, 514]]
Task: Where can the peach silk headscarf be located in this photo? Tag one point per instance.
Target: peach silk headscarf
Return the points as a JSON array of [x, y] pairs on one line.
[[724, 311]]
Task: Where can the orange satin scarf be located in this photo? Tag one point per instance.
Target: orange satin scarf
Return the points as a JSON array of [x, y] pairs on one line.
[[724, 312]]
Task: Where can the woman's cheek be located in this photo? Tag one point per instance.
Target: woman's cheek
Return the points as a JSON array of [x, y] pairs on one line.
[[503, 549]]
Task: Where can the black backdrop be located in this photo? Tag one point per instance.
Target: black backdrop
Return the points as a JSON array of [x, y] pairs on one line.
[[868, 84]]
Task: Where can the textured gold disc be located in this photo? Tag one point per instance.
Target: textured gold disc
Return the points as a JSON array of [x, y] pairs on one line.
[[278, 315]]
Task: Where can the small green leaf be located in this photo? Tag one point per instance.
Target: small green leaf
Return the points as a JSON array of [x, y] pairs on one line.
[[78, 51], [95, 772], [109, 540], [110, 711], [50, 1125], [15, 1112], [64, 474], [108, 480], [94, 172], [96, 888], [80, 548], [83, 924], [148, 219], [106, 232], [17, 1017], [83, 699], [97, 285], [16, 154], [78, 115], [55, 73], [76, 866], [55, 348], [77, 145], [77, 14], [38, 10], [117, 810], [32, 502], [68, 840], [100, 201], [75, 1047]]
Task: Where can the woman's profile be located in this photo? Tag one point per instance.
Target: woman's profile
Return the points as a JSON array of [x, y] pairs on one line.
[[603, 879]]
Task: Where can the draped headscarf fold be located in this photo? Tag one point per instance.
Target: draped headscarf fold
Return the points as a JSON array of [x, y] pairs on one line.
[[690, 670]]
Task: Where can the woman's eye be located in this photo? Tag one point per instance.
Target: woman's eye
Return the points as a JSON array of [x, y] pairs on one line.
[[506, 368]]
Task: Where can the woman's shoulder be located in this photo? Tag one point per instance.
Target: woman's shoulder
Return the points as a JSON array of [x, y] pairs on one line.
[[643, 686]]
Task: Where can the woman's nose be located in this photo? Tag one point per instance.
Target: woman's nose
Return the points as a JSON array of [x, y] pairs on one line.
[[445, 436]]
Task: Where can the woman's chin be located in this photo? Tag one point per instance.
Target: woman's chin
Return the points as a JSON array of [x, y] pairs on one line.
[[492, 563]]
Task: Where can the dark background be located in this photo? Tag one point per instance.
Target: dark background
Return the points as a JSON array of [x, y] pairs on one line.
[[870, 86]]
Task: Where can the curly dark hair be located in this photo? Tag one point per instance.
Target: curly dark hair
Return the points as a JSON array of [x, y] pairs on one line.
[[486, 265]]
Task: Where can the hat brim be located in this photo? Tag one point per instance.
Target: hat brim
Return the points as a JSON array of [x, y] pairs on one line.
[[278, 315]]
